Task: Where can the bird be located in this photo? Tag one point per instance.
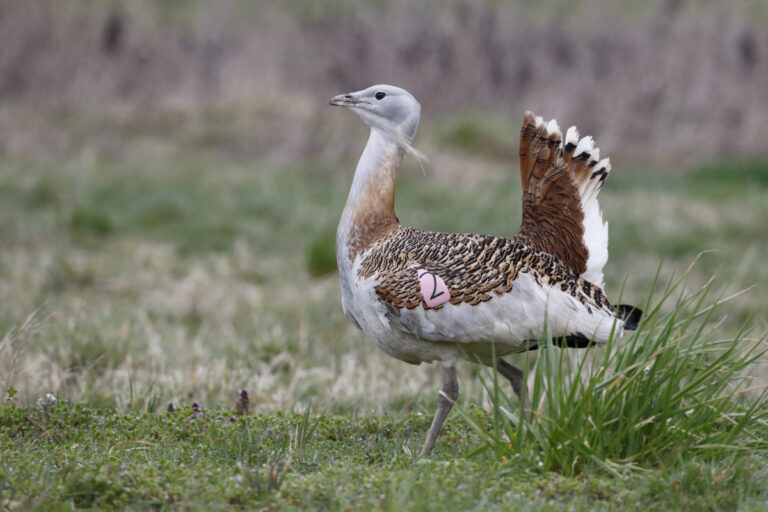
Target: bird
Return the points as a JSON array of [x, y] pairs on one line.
[[426, 297]]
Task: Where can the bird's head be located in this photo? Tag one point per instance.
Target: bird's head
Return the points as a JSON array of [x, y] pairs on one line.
[[391, 109]]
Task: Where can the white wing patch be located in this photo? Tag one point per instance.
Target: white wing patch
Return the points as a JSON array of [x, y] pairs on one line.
[[595, 229]]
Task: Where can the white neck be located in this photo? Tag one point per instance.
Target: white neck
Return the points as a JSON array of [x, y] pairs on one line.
[[371, 199]]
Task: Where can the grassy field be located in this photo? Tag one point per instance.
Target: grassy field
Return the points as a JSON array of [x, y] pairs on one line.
[[68, 456], [156, 269]]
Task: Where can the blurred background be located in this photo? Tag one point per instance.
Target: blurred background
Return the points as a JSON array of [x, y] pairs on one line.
[[171, 175]]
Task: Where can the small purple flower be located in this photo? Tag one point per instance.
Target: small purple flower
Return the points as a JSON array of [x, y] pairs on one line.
[[171, 407], [195, 406], [232, 418]]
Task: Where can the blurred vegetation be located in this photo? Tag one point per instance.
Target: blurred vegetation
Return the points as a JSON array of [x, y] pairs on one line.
[[729, 177], [667, 82], [479, 134], [321, 254]]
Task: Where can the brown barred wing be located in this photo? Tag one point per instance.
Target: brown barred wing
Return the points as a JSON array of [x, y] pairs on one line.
[[552, 216], [560, 184]]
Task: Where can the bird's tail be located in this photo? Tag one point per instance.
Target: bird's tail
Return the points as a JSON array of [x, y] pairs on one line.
[[561, 180], [630, 315]]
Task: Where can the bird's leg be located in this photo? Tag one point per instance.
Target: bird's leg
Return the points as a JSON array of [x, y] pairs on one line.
[[445, 399], [516, 377]]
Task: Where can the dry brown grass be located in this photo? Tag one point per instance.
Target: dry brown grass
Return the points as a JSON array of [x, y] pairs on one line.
[[664, 82]]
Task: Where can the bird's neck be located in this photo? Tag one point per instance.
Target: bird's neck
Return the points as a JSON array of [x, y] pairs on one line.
[[370, 210]]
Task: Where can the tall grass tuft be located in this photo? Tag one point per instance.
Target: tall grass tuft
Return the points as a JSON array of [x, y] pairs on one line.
[[670, 388]]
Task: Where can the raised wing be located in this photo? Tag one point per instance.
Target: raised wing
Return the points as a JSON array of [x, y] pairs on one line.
[[560, 182]]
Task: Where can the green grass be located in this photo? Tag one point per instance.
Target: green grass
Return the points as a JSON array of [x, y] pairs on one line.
[[128, 281], [321, 254], [672, 388], [478, 133], [67, 456]]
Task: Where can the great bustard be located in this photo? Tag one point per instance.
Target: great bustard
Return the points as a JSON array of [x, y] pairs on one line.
[[425, 297]]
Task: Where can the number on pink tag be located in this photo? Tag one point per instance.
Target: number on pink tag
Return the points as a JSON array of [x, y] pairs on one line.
[[433, 288]]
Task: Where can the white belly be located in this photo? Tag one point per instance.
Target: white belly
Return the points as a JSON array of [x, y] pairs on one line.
[[364, 309]]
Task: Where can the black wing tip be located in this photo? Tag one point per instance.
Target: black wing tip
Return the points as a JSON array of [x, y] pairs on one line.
[[577, 340], [631, 316]]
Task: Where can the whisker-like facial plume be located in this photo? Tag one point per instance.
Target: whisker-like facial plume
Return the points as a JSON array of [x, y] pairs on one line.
[[391, 110]]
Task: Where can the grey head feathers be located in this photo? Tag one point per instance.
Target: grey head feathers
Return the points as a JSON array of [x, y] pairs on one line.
[[387, 108]]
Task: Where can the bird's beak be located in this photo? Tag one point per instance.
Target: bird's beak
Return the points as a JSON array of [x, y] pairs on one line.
[[344, 100]]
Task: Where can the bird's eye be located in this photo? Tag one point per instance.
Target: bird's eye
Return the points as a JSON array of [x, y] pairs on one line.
[[379, 95]]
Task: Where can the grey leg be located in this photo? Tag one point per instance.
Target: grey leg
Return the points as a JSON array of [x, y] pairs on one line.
[[516, 377], [445, 400]]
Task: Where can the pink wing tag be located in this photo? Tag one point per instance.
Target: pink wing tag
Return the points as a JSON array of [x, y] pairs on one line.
[[433, 288]]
